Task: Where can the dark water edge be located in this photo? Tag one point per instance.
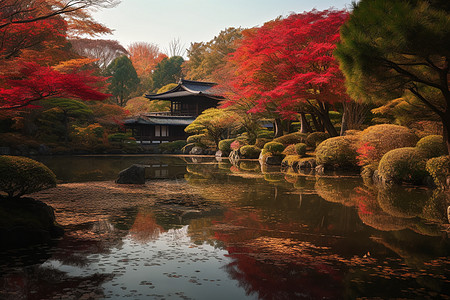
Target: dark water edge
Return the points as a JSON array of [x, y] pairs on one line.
[[276, 236]]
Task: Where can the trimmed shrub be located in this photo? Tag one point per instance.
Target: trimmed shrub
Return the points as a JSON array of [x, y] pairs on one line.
[[172, 146], [291, 161], [274, 147], [291, 138], [21, 175], [336, 151], [439, 169], [250, 151], [260, 142], [289, 150], [432, 146], [196, 138], [316, 138], [377, 140], [224, 145], [403, 165], [300, 149], [265, 134]]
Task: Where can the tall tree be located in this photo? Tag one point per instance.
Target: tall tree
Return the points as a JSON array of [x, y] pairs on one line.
[[390, 48], [167, 71], [205, 59], [176, 48], [123, 79], [145, 57], [105, 51], [289, 61]]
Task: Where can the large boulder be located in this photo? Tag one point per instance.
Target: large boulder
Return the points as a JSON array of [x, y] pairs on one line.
[[25, 222], [196, 151], [132, 175]]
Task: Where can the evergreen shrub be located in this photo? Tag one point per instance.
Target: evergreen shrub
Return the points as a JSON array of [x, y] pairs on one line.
[[439, 169], [336, 151], [274, 147], [172, 146], [224, 145], [316, 138], [375, 141], [403, 165], [432, 146], [250, 151], [300, 149], [289, 150], [21, 175], [291, 138]]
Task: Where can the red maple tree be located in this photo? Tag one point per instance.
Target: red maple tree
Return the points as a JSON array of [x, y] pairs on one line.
[[288, 64]]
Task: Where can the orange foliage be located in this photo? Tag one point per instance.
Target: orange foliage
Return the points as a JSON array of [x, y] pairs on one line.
[[145, 57]]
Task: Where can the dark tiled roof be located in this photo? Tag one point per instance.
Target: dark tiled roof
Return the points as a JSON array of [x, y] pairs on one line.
[[159, 120], [186, 88]]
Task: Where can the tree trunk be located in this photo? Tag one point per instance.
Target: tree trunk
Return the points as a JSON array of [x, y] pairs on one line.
[[344, 123], [277, 127], [328, 125], [446, 126], [317, 125], [305, 126]]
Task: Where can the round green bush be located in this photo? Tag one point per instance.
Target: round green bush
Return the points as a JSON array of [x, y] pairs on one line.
[[196, 138], [403, 165], [316, 138], [250, 151], [300, 149], [172, 146], [289, 150], [265, 134], [21, 175], [224, 145], [291, 138], [336, 151], [439, 169], [380, 139], [432, 146], [274, 147], [260, 142]]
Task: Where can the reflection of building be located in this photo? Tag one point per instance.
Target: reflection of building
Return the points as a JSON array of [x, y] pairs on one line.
[[187, 100]]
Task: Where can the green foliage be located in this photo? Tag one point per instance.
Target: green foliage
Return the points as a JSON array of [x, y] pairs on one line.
[[206, 58], [123, 79], [167, 88], [260, 142], [120, 137], [403, 165], [289, 150], [265, 134], [380, 139], [432, 146], [139, 105], [291, 160], [316, 138], [300, 149], [336, 151], [215, 123], [167, 71], [21, 175], [172, 146], [196, 138], [439, 169], [291, 138], [224, 145], [250, 151], [274, 147]]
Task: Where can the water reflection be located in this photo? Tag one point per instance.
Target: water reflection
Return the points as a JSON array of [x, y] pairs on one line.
[[271, 235]]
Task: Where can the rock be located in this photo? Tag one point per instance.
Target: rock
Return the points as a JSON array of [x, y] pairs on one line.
[[274, 160], [186, 149], [320, 169], [133, 175], [196, 151], [26, 222], [307, 164], [220, 153]]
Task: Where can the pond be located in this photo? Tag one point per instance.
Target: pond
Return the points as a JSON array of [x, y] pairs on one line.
[[253, 233]]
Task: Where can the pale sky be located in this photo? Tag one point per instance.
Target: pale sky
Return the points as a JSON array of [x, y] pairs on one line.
[[160, 21]]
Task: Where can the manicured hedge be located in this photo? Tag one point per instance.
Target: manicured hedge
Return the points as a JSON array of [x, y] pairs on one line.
[[21, 175], [336, 151], [403, 165], [250, 151], [432, 146], [274, 147], [316, 138]]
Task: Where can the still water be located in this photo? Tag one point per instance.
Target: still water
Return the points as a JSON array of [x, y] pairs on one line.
[[269, 235]]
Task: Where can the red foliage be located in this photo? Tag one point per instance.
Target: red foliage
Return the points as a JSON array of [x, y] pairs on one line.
[[290, 61], [364, 152], [34, 82]]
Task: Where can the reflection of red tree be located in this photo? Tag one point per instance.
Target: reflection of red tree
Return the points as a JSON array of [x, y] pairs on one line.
[[145, 228], [273, 267]]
